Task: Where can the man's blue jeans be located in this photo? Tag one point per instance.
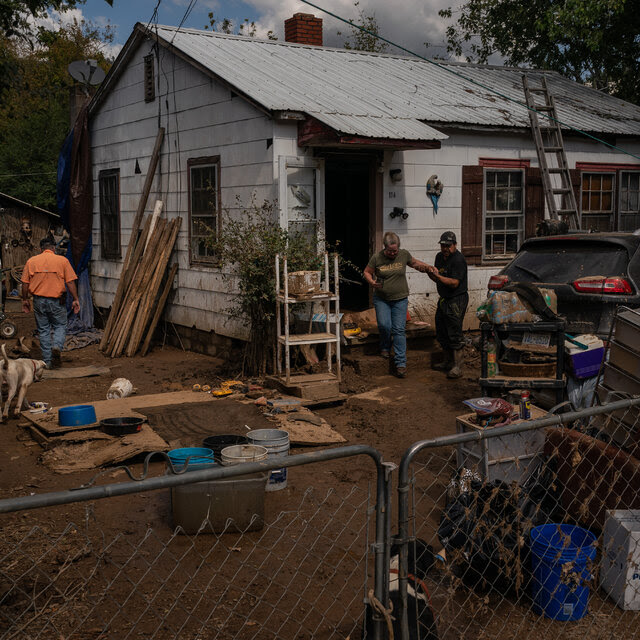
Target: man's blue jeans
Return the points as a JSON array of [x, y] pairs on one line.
[[51, 318], [392, 319]]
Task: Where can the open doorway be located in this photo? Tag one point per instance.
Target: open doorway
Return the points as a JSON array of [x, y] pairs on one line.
[[350, 216]]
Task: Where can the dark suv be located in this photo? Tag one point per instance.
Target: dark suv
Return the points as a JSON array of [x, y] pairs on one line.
[[591, 273]]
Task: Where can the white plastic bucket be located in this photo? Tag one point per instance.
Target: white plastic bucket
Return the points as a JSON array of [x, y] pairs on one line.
[[120, 388], [239, 453], [276, 442]]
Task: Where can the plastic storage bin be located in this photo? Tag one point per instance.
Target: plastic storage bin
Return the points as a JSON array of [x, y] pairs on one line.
[[507, 458], [224, 505], [620, 567]]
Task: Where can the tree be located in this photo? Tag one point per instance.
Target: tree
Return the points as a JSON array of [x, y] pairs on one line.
[[34, 106], [363, 41], [245, 28], [595, 42], [15, 14]]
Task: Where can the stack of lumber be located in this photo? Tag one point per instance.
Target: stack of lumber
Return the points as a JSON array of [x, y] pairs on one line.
[[139, 302]]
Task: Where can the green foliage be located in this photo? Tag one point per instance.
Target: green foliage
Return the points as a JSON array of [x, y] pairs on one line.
[[249, 242], [226, 25], [15, 14], [34, 106], [362, 41], [596, 42]]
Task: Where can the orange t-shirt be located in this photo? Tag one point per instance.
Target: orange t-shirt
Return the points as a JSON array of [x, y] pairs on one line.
[[47, 273]]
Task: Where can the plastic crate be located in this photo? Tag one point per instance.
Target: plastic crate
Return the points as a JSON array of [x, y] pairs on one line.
[[229, 504], [586, 364], [508, 458], [620, 567]]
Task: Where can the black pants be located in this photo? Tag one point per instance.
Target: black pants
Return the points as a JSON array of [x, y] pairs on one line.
[[449, 317]]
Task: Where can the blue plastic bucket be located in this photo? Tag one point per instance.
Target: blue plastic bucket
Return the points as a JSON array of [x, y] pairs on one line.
[[195, 457], [561, 556]]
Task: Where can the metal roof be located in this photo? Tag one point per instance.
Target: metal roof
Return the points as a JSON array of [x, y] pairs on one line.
[[389, 96]]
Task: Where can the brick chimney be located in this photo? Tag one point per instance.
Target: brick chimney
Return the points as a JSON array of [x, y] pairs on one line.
[[303, 28]]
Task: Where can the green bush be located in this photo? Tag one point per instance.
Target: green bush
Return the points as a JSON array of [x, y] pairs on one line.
[[249, 241]]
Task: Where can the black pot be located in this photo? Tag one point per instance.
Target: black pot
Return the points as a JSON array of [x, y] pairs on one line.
[[121, 426], [218, 443]]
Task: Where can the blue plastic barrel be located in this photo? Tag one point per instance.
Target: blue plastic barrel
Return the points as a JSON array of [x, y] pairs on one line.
[[561, 555], [196, 457]]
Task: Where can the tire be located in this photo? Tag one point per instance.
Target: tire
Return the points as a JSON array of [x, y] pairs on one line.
[[8, 330]]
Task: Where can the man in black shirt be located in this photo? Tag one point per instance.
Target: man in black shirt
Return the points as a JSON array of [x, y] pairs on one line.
[[450, 275]]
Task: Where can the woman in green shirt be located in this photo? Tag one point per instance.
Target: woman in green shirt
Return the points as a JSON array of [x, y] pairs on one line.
[[386, 273]]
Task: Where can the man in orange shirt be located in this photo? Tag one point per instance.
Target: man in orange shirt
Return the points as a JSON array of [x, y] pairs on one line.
[[46, 277]]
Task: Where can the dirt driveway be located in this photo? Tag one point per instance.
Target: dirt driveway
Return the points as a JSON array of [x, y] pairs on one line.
[[324, 502]]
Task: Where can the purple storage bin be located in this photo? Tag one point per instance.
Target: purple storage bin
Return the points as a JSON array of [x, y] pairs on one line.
[[586, 364]]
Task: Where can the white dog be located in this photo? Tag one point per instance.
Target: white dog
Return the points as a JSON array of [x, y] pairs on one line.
[[19, 374]]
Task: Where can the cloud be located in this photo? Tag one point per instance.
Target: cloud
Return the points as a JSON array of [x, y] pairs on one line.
[[55, 20], [409, 24]]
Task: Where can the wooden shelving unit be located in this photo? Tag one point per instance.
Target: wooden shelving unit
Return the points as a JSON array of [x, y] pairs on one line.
[[505, 383], [330, 300]]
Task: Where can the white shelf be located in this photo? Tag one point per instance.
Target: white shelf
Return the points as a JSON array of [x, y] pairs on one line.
[[308, 338]]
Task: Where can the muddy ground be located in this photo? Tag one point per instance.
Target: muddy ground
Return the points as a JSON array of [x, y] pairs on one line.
[[112, 568]]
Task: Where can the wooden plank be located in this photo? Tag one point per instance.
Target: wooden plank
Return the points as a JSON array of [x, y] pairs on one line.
[[153, 163], [119, 407], [306, 377], [124, 284], [159, 308]]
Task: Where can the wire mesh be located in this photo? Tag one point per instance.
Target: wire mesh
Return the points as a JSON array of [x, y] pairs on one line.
[[301, 574], [532, 534]]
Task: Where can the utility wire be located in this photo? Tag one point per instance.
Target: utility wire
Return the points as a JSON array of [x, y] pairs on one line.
[[188, 10], [475, 82]]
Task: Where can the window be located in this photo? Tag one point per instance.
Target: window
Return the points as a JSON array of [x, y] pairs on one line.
[[204, 206], [598, 201], [608, 196], [629, 201], [502, 203], [149, 79], [109, 184], [503, 212]]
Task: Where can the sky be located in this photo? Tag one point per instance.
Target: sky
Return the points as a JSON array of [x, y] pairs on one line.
[[410, 23]]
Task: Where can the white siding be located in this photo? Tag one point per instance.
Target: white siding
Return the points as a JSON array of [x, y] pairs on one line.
[[203, 119]]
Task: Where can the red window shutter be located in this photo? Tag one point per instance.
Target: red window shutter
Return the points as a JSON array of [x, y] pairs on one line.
[[471, 222], [534, 201]]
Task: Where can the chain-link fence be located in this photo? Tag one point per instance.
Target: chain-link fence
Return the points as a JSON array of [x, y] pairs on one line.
[[304, 572], [517, 531], [523, 531]]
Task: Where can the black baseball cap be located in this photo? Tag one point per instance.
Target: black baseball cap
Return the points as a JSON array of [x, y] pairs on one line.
[[448, 237]]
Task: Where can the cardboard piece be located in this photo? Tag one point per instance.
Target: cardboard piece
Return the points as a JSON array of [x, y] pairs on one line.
[[69, 457], [305, 433], [75, 372]]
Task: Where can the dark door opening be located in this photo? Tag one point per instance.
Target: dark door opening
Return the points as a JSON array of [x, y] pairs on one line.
[[348, 208]]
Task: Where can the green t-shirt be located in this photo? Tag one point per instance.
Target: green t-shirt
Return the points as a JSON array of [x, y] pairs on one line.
[[391, 272]]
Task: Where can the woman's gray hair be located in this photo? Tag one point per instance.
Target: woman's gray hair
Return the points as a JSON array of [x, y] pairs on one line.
[[390, 238]]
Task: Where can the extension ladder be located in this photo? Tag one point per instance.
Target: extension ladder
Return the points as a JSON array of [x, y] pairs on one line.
[[556, 179]]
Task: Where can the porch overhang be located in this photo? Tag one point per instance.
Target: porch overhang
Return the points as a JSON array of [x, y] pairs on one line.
[[366, 132]]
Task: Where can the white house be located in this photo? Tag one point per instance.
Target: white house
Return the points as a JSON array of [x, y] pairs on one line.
[[353, 135]]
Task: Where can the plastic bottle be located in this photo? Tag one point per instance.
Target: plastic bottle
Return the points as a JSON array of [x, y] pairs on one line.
[[492, 358], [525, 405]]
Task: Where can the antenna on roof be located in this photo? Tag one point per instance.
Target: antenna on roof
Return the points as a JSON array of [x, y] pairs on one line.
[[86, 72]]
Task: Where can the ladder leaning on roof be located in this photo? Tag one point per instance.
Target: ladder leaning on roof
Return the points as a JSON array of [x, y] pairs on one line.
[[561, 200]]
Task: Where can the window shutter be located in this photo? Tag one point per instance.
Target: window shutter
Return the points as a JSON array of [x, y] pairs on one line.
[[576, 183], [471, 222], [534, 201]]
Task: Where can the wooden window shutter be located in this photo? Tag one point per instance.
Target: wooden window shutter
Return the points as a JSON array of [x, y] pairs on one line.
[[534, 201], [149, 79], [576, 183], [471, 220]]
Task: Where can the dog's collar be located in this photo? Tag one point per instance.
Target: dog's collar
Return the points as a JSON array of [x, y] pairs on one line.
[[33, 362], [418, 581]]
